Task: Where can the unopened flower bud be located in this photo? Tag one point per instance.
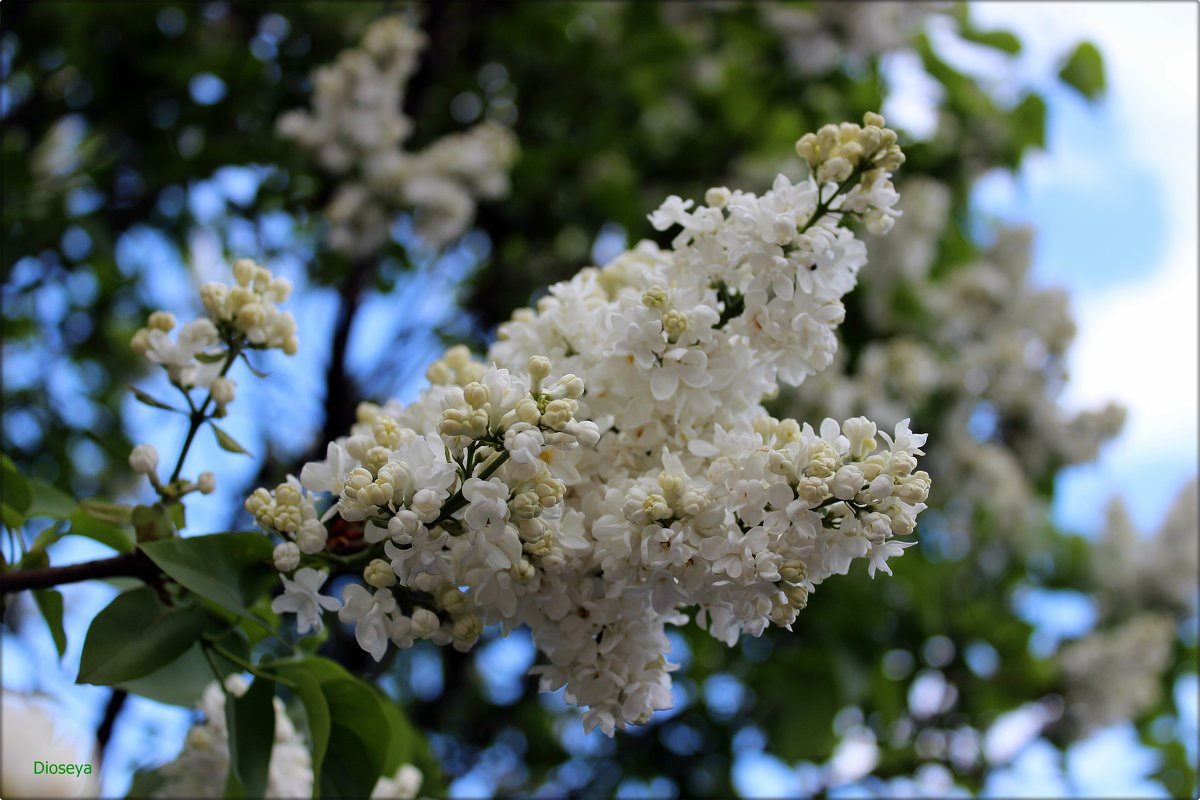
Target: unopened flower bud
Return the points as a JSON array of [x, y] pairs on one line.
[[286, 556], [656, 507], [161, 321], [452, 600], [476, 395], [243, 271], [467, 629], [717, 197], [206, 483], [523, 571], [439, 373], [674, 323], [223, 391], [250, 316], [311, 537], [425, 622], [539, 370], [570, 386], [144, 459], [656, 297], [379, 574], [458, 357], [793, 571], [140, 343], [526, 505]]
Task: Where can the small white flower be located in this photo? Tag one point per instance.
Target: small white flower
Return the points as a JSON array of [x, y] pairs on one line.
[[301, 597], [488, 502], [369, 613], [686, 365], [523, 443]]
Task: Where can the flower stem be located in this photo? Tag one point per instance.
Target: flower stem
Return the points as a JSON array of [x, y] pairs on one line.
[[199, 416]]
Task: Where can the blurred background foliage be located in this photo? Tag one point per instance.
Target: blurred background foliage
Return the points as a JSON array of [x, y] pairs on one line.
[[139, 146]]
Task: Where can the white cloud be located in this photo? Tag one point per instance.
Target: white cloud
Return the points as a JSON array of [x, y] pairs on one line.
[[1137, 342]]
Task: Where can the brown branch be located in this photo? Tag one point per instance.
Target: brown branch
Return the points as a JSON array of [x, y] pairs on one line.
[[341, 395], [129, 565]]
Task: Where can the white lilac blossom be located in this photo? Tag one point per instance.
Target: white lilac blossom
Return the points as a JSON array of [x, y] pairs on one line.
[[197, 771], [1135, 570], [1145, 589], [610, 464], [1115, 675], [356, 130]]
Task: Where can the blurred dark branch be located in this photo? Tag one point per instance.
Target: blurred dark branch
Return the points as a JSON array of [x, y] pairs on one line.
[[116, 702], [129, 565], [341, 395]]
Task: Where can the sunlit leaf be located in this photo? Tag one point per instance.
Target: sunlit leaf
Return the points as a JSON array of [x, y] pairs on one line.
[[226, 441]]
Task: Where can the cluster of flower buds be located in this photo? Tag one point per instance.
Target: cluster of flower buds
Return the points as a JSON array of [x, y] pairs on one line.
[[248, 311], [243, 316], [838, 153]]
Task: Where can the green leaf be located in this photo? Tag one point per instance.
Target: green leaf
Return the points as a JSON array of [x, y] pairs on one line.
[[211, 358], [316, 710], [16, 494], [250, 720], [152, 523], [406, 744], [106, 533], [12, 518], [178, 683], [50, 602], [997, 40], [115, 513], [48, 501], [1029, 122], [178, 515], [226, 441], [258, 373], [146, 783], [136, 635], [230, 569], [46, 537], [152, 401], [1084, 71], [358, 739]]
